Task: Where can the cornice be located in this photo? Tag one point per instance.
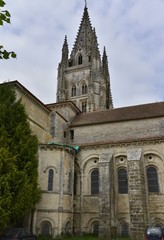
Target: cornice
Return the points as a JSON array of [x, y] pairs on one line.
[[126, 143]]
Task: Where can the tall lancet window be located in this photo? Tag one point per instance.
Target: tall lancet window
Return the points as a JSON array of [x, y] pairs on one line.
[[50, 179], [73, 93], [84, 89], [80, 59]]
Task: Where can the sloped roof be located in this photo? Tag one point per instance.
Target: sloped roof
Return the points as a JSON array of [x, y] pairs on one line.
[[151, 110]]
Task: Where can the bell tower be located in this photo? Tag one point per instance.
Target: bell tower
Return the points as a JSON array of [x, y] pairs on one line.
[[83, 77]]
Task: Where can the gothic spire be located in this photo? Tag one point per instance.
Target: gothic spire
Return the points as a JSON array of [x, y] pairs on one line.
[[84, 35]]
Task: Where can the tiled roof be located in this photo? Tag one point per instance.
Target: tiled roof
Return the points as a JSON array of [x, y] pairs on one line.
[[144, 111]]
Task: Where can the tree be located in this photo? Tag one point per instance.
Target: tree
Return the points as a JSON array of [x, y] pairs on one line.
[[5, 17], [19, 191]]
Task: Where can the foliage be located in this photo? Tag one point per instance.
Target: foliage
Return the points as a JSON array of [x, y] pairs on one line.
[[5, 17], [19, 190]]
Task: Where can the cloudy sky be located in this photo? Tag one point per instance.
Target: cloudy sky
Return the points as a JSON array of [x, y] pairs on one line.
[[131, 30]]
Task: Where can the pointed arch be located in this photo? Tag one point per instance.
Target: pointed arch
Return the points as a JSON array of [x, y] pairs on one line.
[[84, 89]]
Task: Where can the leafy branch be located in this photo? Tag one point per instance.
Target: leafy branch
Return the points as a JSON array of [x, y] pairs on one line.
[[5, 17]]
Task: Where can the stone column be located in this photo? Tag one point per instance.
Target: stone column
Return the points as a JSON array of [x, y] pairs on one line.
[[137, 192], [104, 196]]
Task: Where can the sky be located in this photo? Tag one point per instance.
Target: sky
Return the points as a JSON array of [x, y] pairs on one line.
[[131, 30]]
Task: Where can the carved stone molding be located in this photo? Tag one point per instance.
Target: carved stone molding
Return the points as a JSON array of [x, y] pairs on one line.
[[134, 154]]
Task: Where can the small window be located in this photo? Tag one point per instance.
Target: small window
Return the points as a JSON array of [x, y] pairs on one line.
[[80, 59], [152, 178], [46, 229], [69, 182], [70, 63], [75, 183], [72, 134], [122, 181], [73, 93], [95, 182], [68, 228], [84, 89], [89, 59], [50, 179], [84, 106], [95, 228], [53, 124]]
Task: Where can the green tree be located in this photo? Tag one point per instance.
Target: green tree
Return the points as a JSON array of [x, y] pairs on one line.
[[19, 191], [5, 17]]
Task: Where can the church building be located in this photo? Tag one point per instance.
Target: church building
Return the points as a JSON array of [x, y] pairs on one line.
[[101, 169]]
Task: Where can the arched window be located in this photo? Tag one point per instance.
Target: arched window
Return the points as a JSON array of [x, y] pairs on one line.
[[84, 89], [84, 106], [46, 229], [95, 182], [73, 93], [80, 59], [95, 228], [122, 181], [152, 179], [50, 179]]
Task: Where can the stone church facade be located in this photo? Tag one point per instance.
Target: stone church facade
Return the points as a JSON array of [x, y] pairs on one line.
[[101, 169]]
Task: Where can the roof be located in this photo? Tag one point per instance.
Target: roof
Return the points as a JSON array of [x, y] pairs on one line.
[[144, 111], [21, 88]]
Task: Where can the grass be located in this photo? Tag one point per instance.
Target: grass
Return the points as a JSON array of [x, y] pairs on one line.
[[87, 237]]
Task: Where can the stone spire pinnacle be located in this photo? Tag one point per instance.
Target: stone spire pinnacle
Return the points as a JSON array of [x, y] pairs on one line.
[[84, 35], [65, 52], [105, 69]]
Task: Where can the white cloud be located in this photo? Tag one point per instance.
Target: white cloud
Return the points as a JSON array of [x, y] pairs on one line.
[[131, 30]]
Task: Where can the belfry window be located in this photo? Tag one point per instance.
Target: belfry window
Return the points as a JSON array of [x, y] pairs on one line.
[[95, 182], [84, 106], [50, 179], [152, 179], [73, 93], [122, 181], [80, 59], [84, 89]]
